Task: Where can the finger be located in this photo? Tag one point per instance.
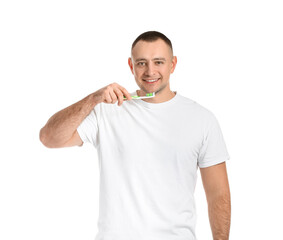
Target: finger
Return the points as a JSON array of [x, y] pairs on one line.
[[107, 94], [119, 94], [107, 97], [113, 96], [126, 94]]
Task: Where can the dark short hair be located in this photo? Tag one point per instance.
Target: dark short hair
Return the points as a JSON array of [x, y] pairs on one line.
[[152, 36]]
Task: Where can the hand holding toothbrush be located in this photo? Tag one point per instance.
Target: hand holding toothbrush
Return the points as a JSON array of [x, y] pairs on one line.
[[111, 93]]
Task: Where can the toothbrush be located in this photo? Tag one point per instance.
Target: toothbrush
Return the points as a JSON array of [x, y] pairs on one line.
[[148, 95]]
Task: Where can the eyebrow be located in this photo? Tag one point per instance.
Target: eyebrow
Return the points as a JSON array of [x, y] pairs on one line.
[[143, 59]]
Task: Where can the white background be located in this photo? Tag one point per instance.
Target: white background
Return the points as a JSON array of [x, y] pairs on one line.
[[53, 53]]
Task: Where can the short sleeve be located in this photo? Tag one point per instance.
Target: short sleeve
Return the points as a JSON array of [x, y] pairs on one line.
[[88, 129], [213, 150]]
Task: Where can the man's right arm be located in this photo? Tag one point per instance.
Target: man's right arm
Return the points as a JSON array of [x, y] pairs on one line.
[[61, 129]]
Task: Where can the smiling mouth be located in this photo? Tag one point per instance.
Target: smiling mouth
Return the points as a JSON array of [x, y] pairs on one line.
[[151, 80]]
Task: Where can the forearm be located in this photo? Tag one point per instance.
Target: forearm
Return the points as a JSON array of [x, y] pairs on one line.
[[219, 210], [63, 124]]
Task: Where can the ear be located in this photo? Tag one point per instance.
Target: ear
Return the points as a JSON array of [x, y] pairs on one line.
[[174, 63], [130, 65]]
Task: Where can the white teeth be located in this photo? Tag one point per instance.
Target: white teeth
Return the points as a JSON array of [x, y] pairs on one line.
[[151, 80]]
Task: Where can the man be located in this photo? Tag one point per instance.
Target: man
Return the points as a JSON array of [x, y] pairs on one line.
[[149, 151]]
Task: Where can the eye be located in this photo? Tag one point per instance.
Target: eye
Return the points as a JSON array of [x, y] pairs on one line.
[[141, 63], [159, 62]]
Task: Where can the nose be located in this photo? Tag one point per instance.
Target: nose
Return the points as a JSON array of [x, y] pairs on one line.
[[150, 69]]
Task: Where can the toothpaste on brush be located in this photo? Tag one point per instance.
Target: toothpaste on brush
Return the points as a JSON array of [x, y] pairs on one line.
[[148, 95]]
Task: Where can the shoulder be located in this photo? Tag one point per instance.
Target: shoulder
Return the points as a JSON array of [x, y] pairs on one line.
[[196, 108]]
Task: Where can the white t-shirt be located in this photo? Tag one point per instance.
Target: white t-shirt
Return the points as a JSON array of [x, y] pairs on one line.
[[148, 155]]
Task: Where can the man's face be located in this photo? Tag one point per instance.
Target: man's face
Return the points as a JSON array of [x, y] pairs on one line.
[[152, 63]]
